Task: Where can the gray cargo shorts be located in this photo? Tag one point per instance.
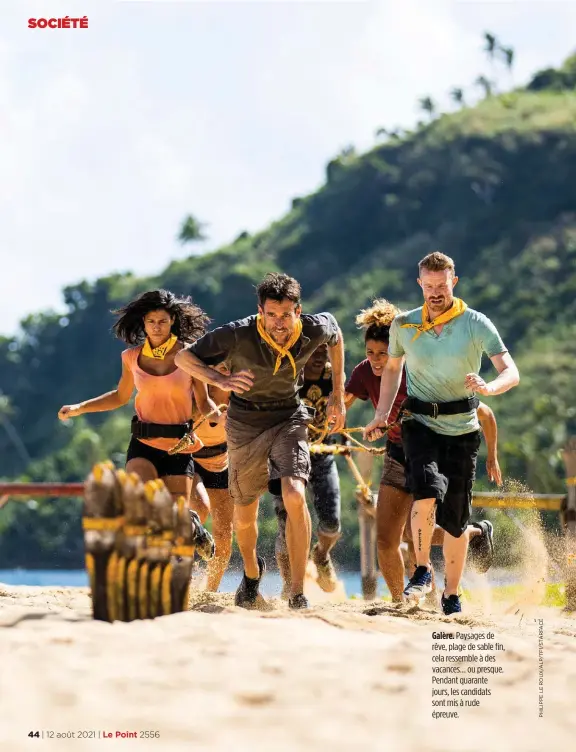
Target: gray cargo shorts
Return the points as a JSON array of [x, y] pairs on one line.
[[394, 469], [259, 452]]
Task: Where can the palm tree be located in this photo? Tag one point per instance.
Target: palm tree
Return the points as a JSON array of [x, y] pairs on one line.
[[490, 45], [508, 54], [457, 95], [427, 105], [485, 84], [347, 152], [191, 230]]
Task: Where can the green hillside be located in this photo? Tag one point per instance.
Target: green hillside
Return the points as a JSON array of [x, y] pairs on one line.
[[491, 185]]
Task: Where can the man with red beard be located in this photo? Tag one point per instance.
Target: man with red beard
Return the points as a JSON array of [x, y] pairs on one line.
[[442, 344]]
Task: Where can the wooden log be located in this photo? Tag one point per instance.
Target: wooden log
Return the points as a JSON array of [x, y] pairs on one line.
[[42, 489]]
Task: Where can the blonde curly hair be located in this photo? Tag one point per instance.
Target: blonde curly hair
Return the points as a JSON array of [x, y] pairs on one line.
[[376, 320]]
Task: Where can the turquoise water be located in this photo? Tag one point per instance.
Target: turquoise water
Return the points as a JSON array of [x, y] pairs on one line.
[[271, 584]]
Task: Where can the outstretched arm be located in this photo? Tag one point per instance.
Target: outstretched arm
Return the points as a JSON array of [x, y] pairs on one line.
[[191, 364], [336, 410], [389, 385], [490, 430], [349, 399], [109, 401]]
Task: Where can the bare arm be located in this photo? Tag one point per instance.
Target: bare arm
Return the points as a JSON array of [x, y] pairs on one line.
[[109, 401], [336, 410], [349, 399], [490, 430], [203, 400], [192, 365], [508, 377], [389, 385]]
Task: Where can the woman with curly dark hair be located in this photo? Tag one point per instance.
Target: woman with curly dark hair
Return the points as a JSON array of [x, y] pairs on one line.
[[158, 325]]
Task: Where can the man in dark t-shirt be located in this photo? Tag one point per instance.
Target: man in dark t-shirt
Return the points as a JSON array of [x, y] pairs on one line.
[[324, 480], [267, 426]]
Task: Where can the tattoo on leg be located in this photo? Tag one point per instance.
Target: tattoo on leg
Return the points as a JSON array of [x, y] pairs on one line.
[[431, 516], [419, 539]]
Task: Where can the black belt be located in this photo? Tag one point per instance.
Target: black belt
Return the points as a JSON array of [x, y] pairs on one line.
[[211, 451], [142, 430], [434, 409], [286, 404]]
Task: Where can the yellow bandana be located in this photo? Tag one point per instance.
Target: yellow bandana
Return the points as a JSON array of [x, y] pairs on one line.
[[282, 350], [160, 352], [457, 309]]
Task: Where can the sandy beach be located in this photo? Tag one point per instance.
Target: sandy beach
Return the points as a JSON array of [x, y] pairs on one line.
[[346, 675]]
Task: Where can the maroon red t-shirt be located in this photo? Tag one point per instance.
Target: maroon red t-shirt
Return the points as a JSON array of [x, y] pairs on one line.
[[365, 385]]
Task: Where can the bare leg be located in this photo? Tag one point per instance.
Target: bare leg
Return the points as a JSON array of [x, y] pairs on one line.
[[326, 542], [422, 524], [182, 485], [222, 516], [199, 501], [455, 550], [246, 529], [438, 536], [143, 468], [392, 512], [298, 530], [280, 547]]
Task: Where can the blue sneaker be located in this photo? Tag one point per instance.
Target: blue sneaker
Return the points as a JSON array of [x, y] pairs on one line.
[[420, 584], [451, 605]]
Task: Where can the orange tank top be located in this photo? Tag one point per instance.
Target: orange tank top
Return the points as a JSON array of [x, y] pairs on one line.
[[211, 436], [160, 399]]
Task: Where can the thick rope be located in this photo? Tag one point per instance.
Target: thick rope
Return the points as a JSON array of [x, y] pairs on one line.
[[363, 489], [325, 430], [188, 438]]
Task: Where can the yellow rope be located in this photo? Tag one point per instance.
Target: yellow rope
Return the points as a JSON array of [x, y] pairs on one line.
[[318, 447], [344, 450], [345, 432], [188, 438]]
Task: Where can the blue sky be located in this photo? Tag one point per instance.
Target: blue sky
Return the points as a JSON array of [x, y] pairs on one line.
[[109, 136]]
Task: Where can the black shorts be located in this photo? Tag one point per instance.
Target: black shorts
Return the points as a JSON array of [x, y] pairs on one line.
[[165, 464], [210, 479], [442, 467]]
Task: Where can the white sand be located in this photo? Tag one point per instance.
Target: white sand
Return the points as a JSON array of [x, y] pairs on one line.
[[219, 678]]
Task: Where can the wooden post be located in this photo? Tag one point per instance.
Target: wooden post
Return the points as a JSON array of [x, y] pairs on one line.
[[361, 467], [570, 523], [367, 528]]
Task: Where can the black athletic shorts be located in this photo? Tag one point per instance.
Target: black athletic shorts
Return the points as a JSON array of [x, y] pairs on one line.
[[210, 479], [442, 467], [165, 464]]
